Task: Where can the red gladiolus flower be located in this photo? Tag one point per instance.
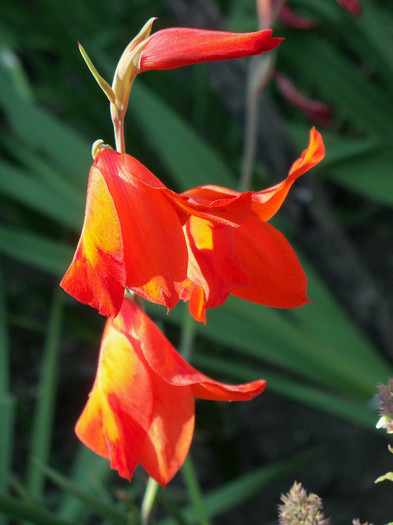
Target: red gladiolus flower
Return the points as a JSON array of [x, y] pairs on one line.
[[141, 408], [254, 261], [133, 235]]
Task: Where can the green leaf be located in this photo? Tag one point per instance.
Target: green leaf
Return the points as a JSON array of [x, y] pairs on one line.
[[45, 405], [334, 77], [234, 370], [243, 488], [87, 471], [35, 194], [362, 165], [7, 401], [30, 512], [42, 132], [194, 492], [36, 250], [97, 506]]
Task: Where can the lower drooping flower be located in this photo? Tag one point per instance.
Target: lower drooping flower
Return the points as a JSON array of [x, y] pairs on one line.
[[141, 407], [201, 245]]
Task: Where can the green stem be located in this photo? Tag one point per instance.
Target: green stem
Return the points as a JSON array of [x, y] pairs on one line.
[[188, 472], [259, 72], [250, 136], [118, 127], [187, 336], [149, 501]]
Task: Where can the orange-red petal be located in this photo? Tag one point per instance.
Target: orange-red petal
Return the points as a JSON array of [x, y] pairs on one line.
[[155, 252], [267, 202], [118, 413], [213, 266], [132, 236], [229, 209], [97, 274], [170, 433], [275, 275], [180, 46], [172, 368]]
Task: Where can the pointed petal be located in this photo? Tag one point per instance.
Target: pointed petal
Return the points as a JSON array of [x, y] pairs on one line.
[[172, 368], [213, 266], [118, 413], [275, 275], [96, 275], [155, 251], [267, 202], [177, 47]]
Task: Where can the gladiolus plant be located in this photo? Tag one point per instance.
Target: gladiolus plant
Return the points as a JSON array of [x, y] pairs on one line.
[[141, 239]]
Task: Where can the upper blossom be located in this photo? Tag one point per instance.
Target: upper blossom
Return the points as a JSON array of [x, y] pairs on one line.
[[141, 408], [200, 246], [133, 235]]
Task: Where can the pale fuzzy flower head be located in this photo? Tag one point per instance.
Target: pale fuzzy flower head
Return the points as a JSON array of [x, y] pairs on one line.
[[385, 406], [357, 522], [300, 508]]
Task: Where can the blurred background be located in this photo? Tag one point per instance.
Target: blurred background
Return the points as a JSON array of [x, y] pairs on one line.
[[315, 423]]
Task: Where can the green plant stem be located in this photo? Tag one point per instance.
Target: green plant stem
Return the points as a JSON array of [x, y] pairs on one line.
[[188, 472], [250, 136], [187, 337], [149, 501], [118, 127], [43, 418]]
